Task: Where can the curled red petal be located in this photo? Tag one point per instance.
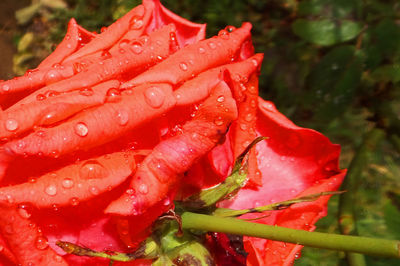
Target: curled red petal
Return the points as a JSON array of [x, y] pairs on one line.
[[74, 183], [76, 38], [47, 110], [198, 88], [244, 128], [135, 56], [26, 239], [159, 173], [114, 32], [194, 59], [99, 125], [187, 31]]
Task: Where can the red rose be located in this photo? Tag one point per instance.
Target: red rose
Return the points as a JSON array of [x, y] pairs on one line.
[[112, 127]]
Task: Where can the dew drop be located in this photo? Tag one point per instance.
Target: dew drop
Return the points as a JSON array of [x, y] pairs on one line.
[[230, 28], [11, 124], [40, 97], [105, 54], [219, 121], [23, 211], [136, 47], [224, 34], [67, 183], [52, 76], [94, 190], [123, 43], [268, 106], [143, 189], [122, 117], [81, 129], [202, 50], [51, 190], [154, 97], [113, 95], [136, 23], [248, 117], [183, 66], [212, 45], [221, 99], [86, 91], [167, 201], [103, 29], [92, 169], [243, 127], [41, 243], [6, 87]]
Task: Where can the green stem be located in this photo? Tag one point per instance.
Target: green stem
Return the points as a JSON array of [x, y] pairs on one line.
[[365, 245], [347, 200]]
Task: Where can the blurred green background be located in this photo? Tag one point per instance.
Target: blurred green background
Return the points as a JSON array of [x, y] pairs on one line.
[[330, 65]]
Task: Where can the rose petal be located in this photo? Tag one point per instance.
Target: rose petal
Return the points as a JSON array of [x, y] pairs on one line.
[[194, 59], [51, 109], [114, 32], [135, 57], [74, 183], [159, 172], [100, 125], [26, 240]]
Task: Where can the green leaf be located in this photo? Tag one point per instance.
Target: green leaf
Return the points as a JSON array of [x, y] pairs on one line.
[[327, 8], [387, 73], [326, 31], [392, 219]]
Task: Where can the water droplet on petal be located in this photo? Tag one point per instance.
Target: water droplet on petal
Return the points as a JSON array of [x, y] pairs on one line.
[[219, 121], [212, 45], [248, 117], [74, 201], [40, 97], [105, 54], [183, 66], [92, 169], [6, 87], [103, 29], [154, 97], [51, 190], [67, 183], [123, 43], [230, 28], [202, 50], [41, 243], [221, 99], [23, 211], [143, 189], [243, 127], [94, 190], [113, 95], [123, 117], [224, 34], [81, 129], [52, 76], [11, 124], [86, 91], [136, 47]]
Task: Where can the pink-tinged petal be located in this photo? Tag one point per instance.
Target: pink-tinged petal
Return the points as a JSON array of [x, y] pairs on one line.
[[292, 161], [47, 110], [161, 171], [194, 59], [26, 240], [187, 31], [73, 184]]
